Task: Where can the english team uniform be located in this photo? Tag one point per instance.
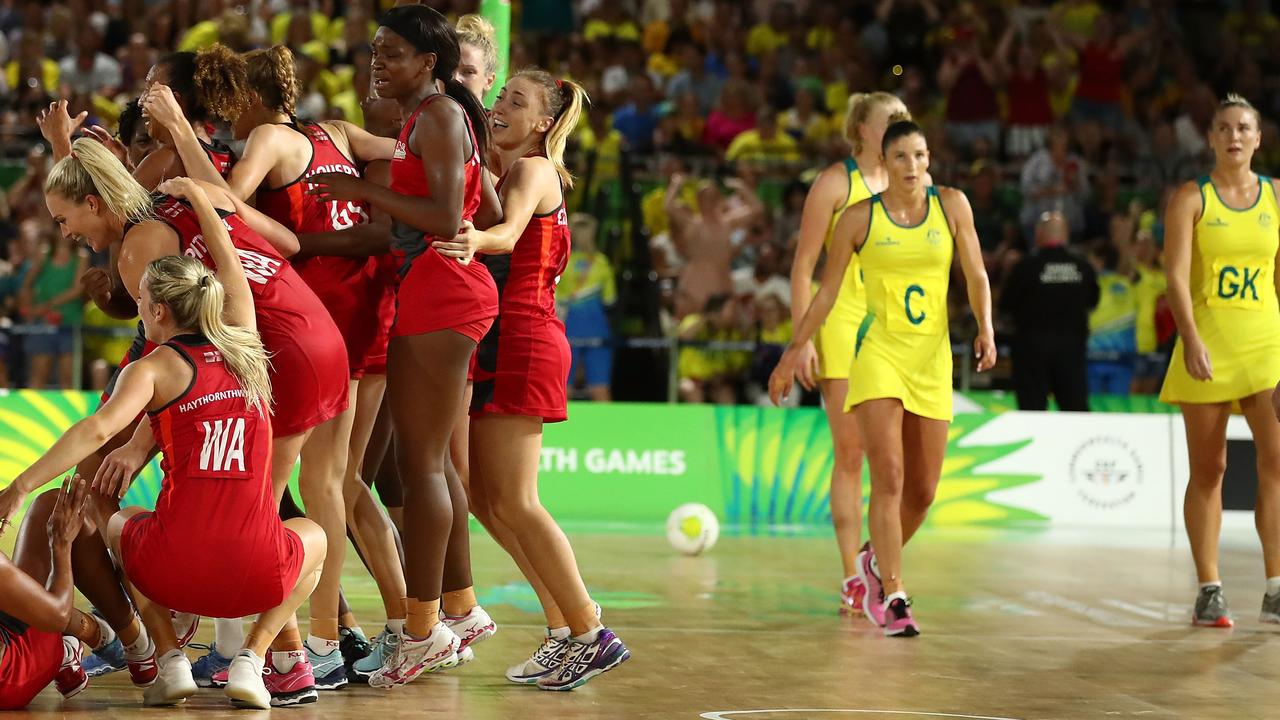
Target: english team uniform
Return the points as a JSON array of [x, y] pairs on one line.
[[354, 290], [835, 339], [522, 364], [1233, 300], [308, 360], [222, 158], [902, 349], [435, 292], [216, 509], [31, 659]]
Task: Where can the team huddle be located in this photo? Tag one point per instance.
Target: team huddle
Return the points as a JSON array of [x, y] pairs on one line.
[[357, 302]]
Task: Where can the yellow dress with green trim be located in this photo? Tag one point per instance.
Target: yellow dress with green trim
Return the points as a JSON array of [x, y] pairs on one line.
[[903, 345], [836, 336], [1233, 300]]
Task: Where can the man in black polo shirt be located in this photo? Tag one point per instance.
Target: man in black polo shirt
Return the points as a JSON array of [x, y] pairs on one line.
[[1049, 295]]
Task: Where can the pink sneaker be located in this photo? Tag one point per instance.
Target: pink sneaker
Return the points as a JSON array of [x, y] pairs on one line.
[[873, 599], [296, 687], [851, 596], [71, 678], [898, 620]]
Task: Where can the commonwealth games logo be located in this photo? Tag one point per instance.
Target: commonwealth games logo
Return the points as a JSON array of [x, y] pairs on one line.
[[1264, 219], [1106, 472]]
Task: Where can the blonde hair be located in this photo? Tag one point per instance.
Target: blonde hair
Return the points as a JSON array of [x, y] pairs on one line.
[[272, 74], [565, 101], [91, 169], [859, 110], [478, 32], [1234, 100], [196, 299]]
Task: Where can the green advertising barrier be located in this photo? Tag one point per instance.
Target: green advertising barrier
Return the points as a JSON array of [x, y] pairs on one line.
[[624, 467]]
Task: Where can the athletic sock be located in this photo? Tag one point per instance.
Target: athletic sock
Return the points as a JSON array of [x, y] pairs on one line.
[[284, 661], [141, 648], [107, 634], [228, 635], [900, 595], [1212, 583], [320, 646], [560, 633], [396, 626], [163, 661], [589, 636], [1273, 585]]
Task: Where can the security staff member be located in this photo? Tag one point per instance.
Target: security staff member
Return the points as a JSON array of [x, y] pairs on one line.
[[1049, 295]]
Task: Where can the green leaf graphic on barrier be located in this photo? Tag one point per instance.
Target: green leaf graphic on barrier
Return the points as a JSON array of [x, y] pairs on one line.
[[776, 467]]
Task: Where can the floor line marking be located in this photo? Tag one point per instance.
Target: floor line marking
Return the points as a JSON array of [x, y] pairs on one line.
[[726, 714]]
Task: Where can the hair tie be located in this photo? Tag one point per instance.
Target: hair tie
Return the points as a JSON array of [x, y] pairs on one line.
[[559, 83], [204, 282], [74, 156]]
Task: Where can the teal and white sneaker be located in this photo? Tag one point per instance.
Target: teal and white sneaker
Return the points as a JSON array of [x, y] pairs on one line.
[[330, 670], [378, 655]]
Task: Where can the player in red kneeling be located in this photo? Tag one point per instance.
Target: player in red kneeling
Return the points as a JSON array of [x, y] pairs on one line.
[[207, 393]]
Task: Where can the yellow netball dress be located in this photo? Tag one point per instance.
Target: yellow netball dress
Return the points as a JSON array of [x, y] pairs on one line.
[[836, 336], [1233, 300], [903, 346]]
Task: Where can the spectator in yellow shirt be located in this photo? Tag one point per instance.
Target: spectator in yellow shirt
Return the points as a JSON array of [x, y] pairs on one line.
[[769, 37], [766, 143]]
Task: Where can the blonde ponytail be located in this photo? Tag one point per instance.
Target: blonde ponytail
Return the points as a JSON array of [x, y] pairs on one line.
[[565, 101], [478, 32], [196, 298], [859, 111], [91, 169]]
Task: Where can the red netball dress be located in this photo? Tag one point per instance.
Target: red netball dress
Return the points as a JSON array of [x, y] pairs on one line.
[[357, 297], [436, 292], [215, 545], [222, 158], [308, 358], [522, 364], [30, 661]]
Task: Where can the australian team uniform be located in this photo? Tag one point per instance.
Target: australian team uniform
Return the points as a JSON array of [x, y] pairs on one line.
[[902, 349], [522, 364], [1233, 300], [216, 509], [436, 292], [836, 336], [357, 295], [308, 359]]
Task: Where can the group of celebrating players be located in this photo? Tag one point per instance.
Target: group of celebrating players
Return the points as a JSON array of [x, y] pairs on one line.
[[328, 296]]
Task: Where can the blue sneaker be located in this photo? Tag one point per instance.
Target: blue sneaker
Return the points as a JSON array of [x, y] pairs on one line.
[[329, 670], [206, 666], [378, 655], [584, 661], [105, 660]]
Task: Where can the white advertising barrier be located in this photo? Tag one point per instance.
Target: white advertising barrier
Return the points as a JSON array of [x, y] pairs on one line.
[[1095, 469]]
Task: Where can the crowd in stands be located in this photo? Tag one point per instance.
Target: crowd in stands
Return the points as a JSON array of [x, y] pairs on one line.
[[709, 118]]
